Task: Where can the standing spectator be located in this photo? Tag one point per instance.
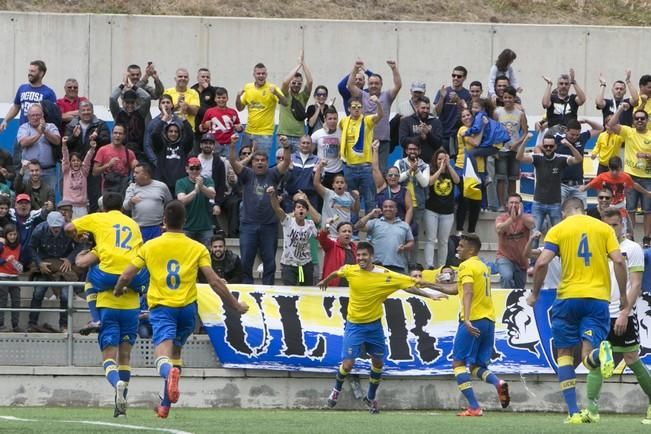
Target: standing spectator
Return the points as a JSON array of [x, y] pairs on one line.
[[383, 99], [644, 97], [391, 237], [513, 229], [166, 117], [356, 149], [291, 119], [75, 176], [604, 199], [7, 171], [410, 107], [609, 106], [10, 268], [79, 131], [260, 98], [300, 176], [328, 147], [186, 100], [548, 167], [503, 67], [233, 199], [507, 168], [136, 79], [26, 220], [225, 263], [389, 188], [316, 113], [439, 209], [421, 128], [215, 167], [562, 106], [221, 121], [296, 259], [338, 204], [37, 140], [476, 90], [414, 176], [69, 104], [172, 146], [608, 145], [29, 94], [41, 194], [637, 156], [145, 198], [258, 222], [207, 97], [501, 83], [53, 252], [339, 251], [114, 162], [468, 206], [448, 103], [360, 82], [196, 193], [132, 115]]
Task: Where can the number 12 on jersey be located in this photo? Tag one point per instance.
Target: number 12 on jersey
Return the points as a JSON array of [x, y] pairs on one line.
[[584, 250]]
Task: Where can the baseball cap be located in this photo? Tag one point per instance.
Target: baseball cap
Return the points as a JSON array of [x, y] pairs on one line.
[[55, 219], [418, 86], [22, 196], [193, 161], [130, 95], [208, 138], [64, 203]]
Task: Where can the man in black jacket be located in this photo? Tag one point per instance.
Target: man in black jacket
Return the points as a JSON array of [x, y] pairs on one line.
[[225, 263], [422, 128]]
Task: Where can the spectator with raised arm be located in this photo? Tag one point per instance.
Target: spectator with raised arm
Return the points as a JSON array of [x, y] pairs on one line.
[[513, 229], [388, 187], [338, 204], [132, 115], [75, 173], [609, 106], [560, 105], [291, 122]]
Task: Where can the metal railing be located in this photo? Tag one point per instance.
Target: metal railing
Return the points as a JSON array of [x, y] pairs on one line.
[[69, 310]]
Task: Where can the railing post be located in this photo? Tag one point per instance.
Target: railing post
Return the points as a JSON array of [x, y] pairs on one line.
[[71, 292]]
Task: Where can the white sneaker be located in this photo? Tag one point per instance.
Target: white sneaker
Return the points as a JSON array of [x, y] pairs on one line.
[[120, 397]]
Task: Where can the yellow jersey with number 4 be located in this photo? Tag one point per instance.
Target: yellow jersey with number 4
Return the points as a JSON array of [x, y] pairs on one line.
[[583, 244], [117, 238], [173, 261], [475, 272]]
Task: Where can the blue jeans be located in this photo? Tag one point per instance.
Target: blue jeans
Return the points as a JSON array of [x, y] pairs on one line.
[[568, 191], [37, 303], [542, 210], [383, 154], [360, 177], [256, 238], [511, 276], [262, 143]]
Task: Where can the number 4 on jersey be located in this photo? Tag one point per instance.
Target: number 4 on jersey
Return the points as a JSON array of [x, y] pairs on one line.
[[584, 250]]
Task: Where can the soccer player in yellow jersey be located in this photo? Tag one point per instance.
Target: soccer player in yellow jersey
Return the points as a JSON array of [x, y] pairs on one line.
[[174, 261], [369, 286], [580, 312], [475, 338], [117, 237]]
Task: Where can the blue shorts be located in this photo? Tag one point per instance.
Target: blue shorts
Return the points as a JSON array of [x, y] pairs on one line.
[[371, 335], [118, 326], [576, 319], [149, 232], [172, 323], [103, 281], [474, 350]]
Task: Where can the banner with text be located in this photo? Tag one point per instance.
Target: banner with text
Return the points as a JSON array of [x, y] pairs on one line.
[[301, 329]]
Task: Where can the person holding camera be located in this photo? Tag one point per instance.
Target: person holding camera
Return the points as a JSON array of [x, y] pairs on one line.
[[513, 228]]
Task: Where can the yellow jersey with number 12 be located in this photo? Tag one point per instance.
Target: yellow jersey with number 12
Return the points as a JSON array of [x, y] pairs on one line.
[[475, 272], [173, 261], [583, 244]]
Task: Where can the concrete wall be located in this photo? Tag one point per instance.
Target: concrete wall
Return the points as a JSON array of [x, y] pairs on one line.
[[97, 48], [236, 388]]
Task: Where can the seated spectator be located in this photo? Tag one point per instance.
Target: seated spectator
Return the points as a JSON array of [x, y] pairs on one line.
[[145, 199], [390, 188], [196, 193], [75, 176], [114, 162], [300, 176], [40, 194], [221, 121], [132, 116], [225, 262], [26, 220], [339, 251], [513, 228], [37, 139], [391, 237], [10, 268], [296, 259], [172, 146], [53, 252], [316, 113], [5, 205], [7, 171], [338, 204], [604, 199]]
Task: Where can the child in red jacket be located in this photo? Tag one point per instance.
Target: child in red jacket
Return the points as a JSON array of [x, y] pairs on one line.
[[10, 268]]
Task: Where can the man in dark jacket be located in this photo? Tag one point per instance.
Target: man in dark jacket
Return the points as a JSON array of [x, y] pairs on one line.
[[423, 129], [225, 263], [132, 116]]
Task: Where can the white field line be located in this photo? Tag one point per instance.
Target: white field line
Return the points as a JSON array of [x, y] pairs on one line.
[[91, 422]]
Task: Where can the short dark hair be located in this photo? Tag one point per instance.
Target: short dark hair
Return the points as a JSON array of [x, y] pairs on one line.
[[124, 127], [548, 136], [146, 167], [415, 267], [10, 227], [611, 211], [4, 200], [462, 69], [511, 91], [298, 75], [472, 239], [615, 163], [645, 79], [75, 154], [365, 245], [35, 162], [221, 91], [301, 202], [619, 82], [502, 77], [40, 65], [259, 65], [166, 96], [573, 124], [646, 241], [354, 99], [133, 66], [331, 110], [174, 215], [606, 190], [320, 87], [112, 201], [376, 75], [424, 99], [515, 195], [646, 115], [572, 203], [342, 224], [218, 238], [476, 83], [260, 154]]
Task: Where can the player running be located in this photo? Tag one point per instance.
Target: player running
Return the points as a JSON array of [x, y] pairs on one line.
[[117, 238], [174, 261], [475, 338], [623, 335], [580, 311]]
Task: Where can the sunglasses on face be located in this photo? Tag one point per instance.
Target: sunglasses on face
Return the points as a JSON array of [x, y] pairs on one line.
[[392, 175], [603, 197], [72, 87], [321, 94], [245, 153], [548, 146], [194, 167], [638, 118], [356, 106], [457, 76]]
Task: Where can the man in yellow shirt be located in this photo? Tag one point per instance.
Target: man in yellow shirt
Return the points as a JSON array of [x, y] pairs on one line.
[[356, 148], [260, 98], [186, 100], [475, 338], [580, 312], [174, 261]]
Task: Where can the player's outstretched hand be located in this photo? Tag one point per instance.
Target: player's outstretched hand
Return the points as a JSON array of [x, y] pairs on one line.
[[471, 328], [242, 308], [323, 285]]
